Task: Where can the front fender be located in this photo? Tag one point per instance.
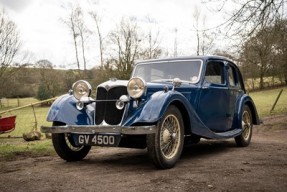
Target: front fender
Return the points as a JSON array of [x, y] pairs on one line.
[[64, 110], [156, 106]]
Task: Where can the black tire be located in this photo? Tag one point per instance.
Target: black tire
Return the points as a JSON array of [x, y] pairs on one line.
[[244, 139], [195, 139], [65, 147], [165, 146], [191, 139]]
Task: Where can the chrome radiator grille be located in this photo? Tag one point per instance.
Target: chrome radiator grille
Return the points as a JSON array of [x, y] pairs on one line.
[[106, 110]]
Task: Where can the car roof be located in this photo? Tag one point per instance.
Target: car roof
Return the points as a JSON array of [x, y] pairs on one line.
[[204, 58]]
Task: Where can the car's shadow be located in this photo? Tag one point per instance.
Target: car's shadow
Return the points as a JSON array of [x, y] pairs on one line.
[[138, 158], [207, 148]]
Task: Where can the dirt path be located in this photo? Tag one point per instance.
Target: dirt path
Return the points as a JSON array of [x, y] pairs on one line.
[[208, 166]]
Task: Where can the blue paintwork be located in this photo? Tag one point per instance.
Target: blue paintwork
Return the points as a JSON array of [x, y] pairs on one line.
[[246, 100], [210, 110], [154, 108], [64, 110]]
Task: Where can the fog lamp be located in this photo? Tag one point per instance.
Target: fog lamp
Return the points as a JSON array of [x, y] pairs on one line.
[[120, 104], [80, 105]]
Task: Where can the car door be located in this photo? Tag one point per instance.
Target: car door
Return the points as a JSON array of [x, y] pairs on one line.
[[214, 102], [236, 89]]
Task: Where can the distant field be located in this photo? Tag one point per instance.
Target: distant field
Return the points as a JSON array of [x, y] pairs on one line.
[[264, 101], [268, 82], [12, 103], [25, 120]]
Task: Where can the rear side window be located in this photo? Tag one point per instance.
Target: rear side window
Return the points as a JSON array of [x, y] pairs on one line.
[[215, 72], [232, 77]]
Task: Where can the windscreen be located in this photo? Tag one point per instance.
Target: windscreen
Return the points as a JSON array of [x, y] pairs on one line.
[[186, 70]]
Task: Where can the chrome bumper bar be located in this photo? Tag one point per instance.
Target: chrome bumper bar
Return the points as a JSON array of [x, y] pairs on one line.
[[94, 129]]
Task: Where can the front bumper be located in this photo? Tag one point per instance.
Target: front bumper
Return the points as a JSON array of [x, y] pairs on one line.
[[95, 129]]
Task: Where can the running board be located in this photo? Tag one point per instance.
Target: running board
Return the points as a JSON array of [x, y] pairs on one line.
[[228, 134]]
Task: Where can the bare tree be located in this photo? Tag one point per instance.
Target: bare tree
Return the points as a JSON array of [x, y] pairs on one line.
[[127, 41], [83, 32], [196, 16], [70, 22], [204, 37], [258, 53], [97, 20], [9, 48], [78, 29], [280, 47], [151, 41], [249, 15]]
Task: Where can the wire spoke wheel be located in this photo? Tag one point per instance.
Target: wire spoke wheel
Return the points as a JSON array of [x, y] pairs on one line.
[[246, 125], [244, 139], [166, 145], [70, 143], [169, 140]]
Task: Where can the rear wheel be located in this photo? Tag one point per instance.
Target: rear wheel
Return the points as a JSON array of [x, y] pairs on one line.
[[65, 147], [244, 139], [165, 146]]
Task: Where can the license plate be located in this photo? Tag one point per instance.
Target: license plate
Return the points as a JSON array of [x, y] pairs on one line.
[[110, 140]]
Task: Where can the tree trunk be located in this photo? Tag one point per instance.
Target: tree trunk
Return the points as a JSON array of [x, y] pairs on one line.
[[261, 83]]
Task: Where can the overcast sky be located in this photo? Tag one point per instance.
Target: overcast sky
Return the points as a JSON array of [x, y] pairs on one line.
[[44, 36]]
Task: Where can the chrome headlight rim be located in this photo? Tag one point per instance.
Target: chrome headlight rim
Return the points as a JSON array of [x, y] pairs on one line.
[[136, 87], [81, 89]]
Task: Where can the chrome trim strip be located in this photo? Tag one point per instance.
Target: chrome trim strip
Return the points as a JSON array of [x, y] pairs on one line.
[[94, 129]]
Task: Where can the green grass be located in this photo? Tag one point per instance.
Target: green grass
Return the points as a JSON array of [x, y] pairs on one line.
[[25, 120], [18, 148], [12, 103], [12, 144], [264, 101]]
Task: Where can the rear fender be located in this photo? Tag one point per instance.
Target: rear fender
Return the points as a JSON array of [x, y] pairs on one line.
[[246, 100], [64, 110]]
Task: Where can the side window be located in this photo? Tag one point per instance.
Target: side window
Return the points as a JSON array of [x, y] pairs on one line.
[[214, 72], [232, 76]]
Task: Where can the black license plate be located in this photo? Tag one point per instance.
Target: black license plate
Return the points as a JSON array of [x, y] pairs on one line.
[[110, 140]]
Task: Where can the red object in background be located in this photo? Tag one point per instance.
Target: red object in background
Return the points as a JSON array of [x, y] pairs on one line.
[[7, 124]]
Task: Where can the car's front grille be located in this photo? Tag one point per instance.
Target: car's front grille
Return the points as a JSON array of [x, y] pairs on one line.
[[106, 110]]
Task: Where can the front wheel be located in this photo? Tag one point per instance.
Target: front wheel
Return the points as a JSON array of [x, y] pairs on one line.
[[165, 146], [244, 139], [64, 146]]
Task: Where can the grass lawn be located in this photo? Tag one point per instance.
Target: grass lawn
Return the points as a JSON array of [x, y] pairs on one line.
[[264, 101], [25, 120], [11, 148], [12, 144]]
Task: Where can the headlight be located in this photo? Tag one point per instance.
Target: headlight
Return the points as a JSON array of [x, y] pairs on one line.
[[82, 89], [136, 87]]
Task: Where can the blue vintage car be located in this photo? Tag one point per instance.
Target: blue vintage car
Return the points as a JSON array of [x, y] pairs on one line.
[[166, 104]]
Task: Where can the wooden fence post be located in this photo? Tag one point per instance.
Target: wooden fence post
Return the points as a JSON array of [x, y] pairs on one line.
[[276, 100]]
